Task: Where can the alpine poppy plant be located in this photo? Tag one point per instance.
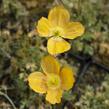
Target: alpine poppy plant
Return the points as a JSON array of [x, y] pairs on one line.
[[58, 27], [53, 80]]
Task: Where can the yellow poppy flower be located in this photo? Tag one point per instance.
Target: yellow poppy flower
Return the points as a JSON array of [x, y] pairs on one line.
[[58, 26], [53, 81]]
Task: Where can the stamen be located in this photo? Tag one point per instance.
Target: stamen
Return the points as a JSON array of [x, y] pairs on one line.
[[53, 81]]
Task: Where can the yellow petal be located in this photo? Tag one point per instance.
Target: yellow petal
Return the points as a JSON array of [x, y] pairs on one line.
[[58, 16], [37, 82], [54, 96], [73, 30], [43, 27], [57, 45], [49, 64], [67, 78]]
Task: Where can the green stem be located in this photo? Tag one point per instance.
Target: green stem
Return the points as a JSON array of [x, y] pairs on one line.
[[8, 98], [53, 106]]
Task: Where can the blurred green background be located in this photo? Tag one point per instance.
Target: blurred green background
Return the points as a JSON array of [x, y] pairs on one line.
[[21, 51]]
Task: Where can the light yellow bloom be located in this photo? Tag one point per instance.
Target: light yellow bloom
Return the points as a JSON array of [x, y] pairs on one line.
[[53, 81], [58, 26]]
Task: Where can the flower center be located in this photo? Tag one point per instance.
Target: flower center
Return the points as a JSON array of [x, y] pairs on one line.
[[57, 31], [53, 81]]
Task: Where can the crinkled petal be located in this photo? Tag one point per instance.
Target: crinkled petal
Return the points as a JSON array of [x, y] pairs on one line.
[[43, 27], [49, 64], [37, 82], [67, 78], [57, 45], [58, 16], [73, 30], [54, 96]]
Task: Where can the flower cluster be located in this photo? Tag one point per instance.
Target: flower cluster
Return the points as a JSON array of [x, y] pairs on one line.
[[55, 79]]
